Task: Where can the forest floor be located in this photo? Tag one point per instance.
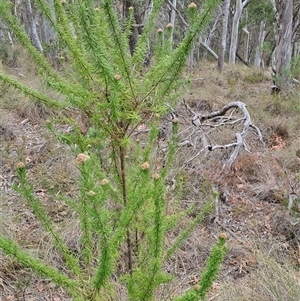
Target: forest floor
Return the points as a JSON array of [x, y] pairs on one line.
[[263, 259]]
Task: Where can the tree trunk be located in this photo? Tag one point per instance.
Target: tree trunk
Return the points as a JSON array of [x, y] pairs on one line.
[[207, 48], [245, 30], [172, 18], [258, 61], [136, 30], [211, 30], [32, 27], [239, 6], [222, 49], [284, 44]]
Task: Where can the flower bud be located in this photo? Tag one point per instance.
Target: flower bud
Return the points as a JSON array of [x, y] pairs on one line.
[[192, 5], [156, 176], [91, 193], [20, 165], [145, 166], [82, 158], [223, 235], [197, 287], [104, 182]]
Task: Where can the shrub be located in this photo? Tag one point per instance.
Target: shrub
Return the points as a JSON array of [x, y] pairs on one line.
[[121, 203]]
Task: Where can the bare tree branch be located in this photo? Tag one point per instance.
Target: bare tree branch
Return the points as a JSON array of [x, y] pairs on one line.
[[198, 121]]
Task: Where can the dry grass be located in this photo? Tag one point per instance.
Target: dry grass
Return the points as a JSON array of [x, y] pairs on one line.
[[275, 277]]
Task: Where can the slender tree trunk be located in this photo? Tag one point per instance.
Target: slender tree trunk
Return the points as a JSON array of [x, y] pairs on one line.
[[173, 12], [135, 30], [235, 31], [172, 18], [207, 48], [284, 44], [239, 6], [258, 61], [32, 26], [245, 30], [211, 30], [222, 49]]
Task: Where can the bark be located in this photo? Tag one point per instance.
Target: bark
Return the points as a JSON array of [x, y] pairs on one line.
[[245, 30], [2, 33], [138, 28], [209, 49], [173, 12], [235, 29], [32, 26], [258, 61], [283, 52], [172, 18], [186, 25], [212, 30], [296, 22], [222, 49]]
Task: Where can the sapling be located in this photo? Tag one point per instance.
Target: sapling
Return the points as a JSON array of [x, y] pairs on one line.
[[104, 94]]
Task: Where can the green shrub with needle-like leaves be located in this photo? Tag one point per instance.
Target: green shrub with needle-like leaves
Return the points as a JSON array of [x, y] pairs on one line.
[[121, 204]]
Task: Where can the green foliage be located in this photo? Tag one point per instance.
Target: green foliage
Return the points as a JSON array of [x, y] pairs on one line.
[[261, 10], [295, 67], [209, 274], [121, 202]]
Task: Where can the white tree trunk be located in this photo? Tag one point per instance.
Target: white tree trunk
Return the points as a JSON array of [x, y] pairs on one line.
[[212, 29], [172, 19], [239, 6], [258, 61], [32, 27], [173, 12], [284, 44], [245, 30], [222, 49], [208, 49]]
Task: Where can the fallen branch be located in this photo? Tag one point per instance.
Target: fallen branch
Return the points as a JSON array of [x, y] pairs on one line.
[[198, 121]]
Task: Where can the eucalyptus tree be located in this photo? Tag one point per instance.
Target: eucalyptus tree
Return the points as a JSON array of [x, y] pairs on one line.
[[261, 17], [32, 26], [283, 50], [223, 42], [239, 7]]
